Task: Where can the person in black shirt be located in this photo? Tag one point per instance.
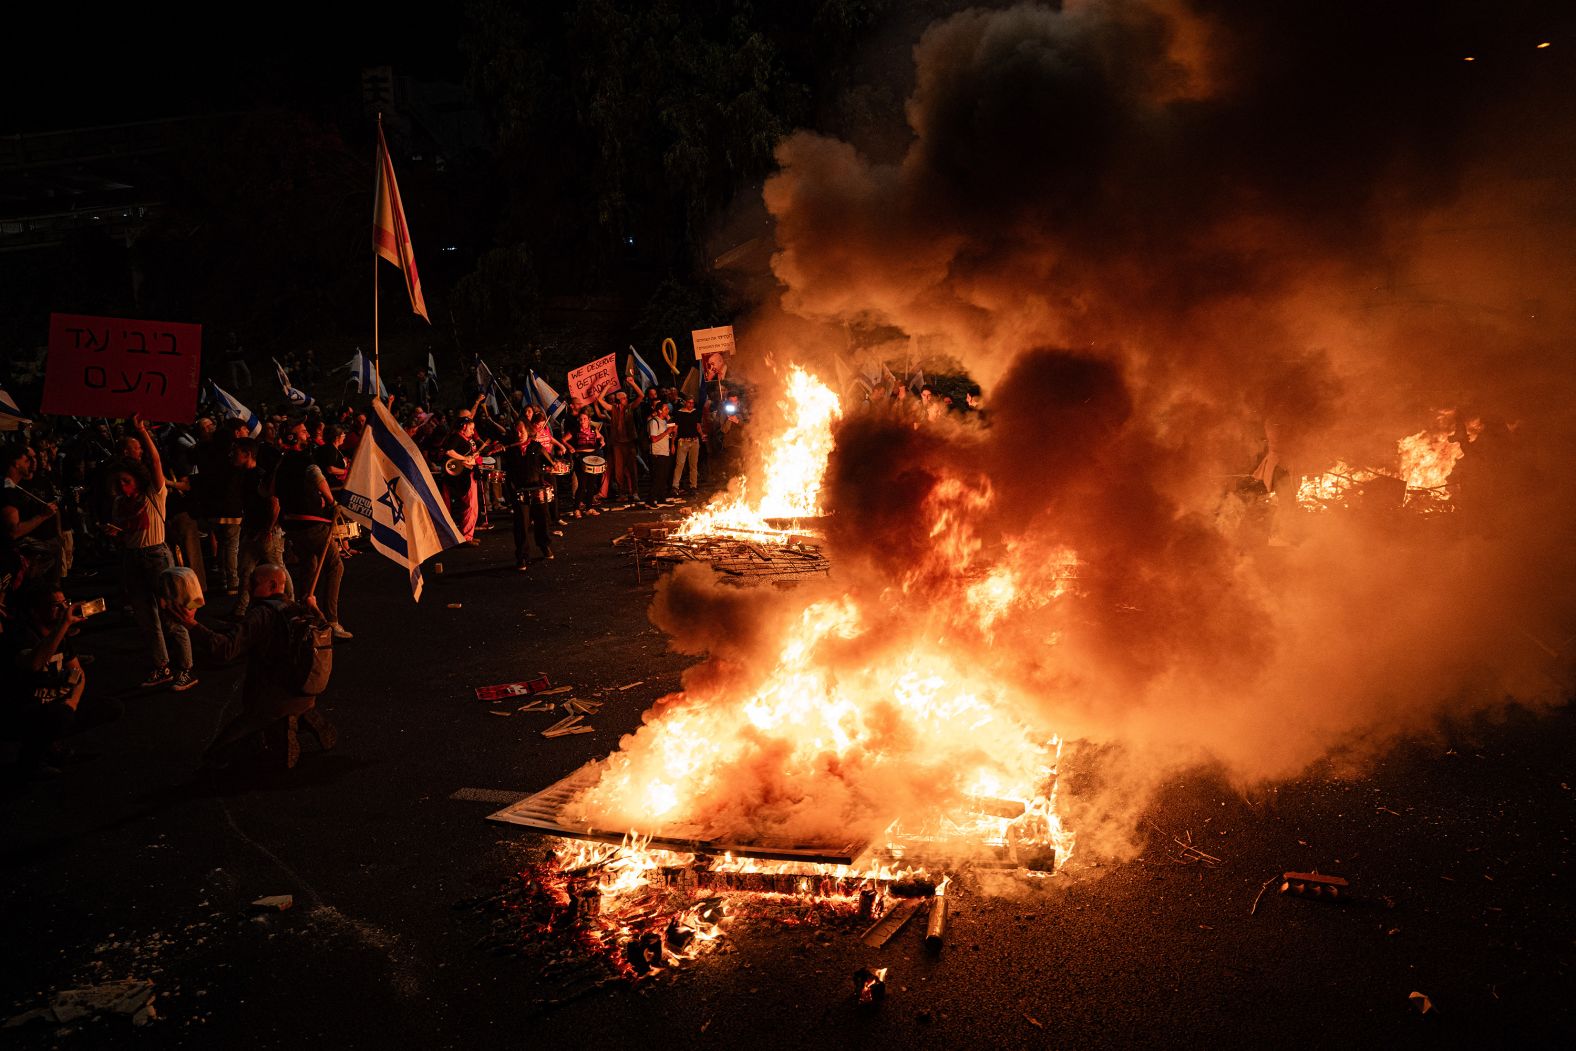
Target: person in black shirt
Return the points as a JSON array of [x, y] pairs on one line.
[[330, 457], [530, 491], [688, 435], [28, 523], [41, 690], [306, 511], [459, 473], [180, 530]]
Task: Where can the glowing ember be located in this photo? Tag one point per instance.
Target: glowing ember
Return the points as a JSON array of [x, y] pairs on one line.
[[790, 485]]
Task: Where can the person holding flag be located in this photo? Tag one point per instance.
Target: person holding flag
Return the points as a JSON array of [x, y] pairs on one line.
[[298, 399], [638, 372], [391, 492], [232, 409]]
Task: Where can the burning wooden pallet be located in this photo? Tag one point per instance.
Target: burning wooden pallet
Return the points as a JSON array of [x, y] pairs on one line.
[[543, 812], [747, 555]]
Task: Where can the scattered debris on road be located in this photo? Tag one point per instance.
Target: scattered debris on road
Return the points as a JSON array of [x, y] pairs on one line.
[[274, 902], [132, 998]]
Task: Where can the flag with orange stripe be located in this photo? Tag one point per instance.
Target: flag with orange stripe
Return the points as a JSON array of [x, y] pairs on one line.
[[390, 235]]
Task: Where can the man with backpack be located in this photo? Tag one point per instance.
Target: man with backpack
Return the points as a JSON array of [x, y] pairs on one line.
[[289, 655]]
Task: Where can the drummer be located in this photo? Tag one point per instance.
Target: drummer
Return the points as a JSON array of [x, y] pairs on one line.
[[586, 441], [530, 491], [460, 453]]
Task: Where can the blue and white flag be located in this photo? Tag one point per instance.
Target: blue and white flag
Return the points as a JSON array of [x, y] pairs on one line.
[[432, 368], [645, 378], [300, 399], [390, 490], [916, 382], [544, 397], [226, 403], [484, 385], [365, 375]]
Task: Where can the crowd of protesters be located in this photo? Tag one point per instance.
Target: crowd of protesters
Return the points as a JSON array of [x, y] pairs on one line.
[[249, 508]]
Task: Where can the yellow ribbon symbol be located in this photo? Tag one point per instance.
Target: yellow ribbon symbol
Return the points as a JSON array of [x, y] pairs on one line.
[[670, 352]]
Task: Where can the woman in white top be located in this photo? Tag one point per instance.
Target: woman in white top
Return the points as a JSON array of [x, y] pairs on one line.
[[137, 522]]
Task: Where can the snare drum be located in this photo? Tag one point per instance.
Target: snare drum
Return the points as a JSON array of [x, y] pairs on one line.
[[593, 464], [346, 529], [487, 463], [559, 467], [540, 494]]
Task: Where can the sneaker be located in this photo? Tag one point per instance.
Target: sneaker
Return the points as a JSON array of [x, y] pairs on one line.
[[593, 512], [473, 542], [183, 681], [548, 555], [577, 512], [157, 677], [562, 522], [521, 567], [341, 632], [558, 532]]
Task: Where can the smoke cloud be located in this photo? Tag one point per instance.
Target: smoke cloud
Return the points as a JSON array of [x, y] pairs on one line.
[[1158, 233]]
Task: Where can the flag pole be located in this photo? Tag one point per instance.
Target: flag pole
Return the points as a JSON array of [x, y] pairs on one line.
[[377, 375]]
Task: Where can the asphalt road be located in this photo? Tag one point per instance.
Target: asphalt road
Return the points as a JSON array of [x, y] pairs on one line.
[[134, 865]]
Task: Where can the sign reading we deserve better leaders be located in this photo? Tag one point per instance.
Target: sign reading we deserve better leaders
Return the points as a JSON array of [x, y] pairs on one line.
[[110, 366], [599, 377]]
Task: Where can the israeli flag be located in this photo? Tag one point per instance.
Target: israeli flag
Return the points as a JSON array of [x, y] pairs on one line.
[[916, 382], [392, 493], [233, 409], [484, 385], [298, 398], [365, 376], [545, 397], [432, 368], [644, 376]]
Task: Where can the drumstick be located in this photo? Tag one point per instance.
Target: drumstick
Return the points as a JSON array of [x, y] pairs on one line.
[[33, 496]]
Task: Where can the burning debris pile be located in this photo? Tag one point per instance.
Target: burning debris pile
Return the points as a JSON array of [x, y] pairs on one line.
[[1420, 479], [768, 532]]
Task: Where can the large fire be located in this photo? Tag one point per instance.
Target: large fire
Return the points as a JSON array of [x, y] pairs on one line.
[[1424, 462], [789, 482], [871, 721]]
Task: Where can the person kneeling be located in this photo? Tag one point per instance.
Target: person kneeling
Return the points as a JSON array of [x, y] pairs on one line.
[[278, 695]]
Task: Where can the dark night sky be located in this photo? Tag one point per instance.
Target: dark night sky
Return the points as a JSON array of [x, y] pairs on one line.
[[127, 64]]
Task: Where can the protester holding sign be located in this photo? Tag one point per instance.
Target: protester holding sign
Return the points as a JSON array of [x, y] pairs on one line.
[[137, 523]]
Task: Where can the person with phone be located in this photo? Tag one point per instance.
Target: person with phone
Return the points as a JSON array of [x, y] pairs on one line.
[[137, 523], [42, 688]]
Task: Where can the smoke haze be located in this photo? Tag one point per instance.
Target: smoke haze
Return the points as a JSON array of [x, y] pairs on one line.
[[1156, 233]]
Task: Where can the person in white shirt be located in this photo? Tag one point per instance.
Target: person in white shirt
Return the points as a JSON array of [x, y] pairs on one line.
[[661, 429], [137, 523]]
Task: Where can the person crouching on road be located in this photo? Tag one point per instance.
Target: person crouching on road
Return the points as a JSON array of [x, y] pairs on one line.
[[268, 706]]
